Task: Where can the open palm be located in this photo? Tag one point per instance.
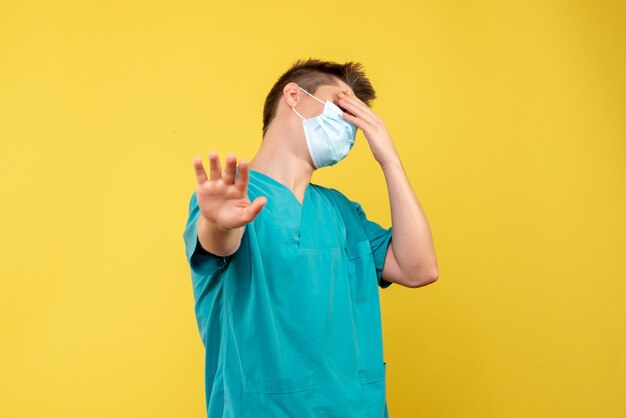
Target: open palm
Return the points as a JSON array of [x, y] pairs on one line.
[[223, 199]]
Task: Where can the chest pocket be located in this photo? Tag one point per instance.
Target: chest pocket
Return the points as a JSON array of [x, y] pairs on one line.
[[362, 272]]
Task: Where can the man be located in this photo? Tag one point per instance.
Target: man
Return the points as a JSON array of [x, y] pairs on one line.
[[285, 272]]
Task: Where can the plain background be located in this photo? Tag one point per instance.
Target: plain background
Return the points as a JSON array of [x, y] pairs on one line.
[[510, 121]]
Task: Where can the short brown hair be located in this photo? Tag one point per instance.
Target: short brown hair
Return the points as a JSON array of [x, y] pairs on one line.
[[313, 73]]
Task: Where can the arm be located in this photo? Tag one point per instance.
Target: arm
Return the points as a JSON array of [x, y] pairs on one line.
[[410, 258], [224, 204]]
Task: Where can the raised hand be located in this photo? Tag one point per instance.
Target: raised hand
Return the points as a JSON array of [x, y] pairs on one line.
[[372, 125], [223, 200]]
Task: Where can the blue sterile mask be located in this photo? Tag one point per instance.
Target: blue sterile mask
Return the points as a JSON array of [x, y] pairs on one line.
[[329, 136]]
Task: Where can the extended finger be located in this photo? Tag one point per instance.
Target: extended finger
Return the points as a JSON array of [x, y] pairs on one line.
[[351, 97], [229, 169], [255, 207], [359, 123], [216, 167], [199, 168], [242, 176]]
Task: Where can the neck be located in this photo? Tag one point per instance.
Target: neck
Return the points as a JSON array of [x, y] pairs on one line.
[[278, 158]]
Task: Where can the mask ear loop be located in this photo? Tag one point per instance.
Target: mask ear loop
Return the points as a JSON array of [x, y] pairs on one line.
[[310, 94], [294, 109]]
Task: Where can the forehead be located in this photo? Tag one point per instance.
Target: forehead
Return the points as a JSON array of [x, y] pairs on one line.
[[331, 90]]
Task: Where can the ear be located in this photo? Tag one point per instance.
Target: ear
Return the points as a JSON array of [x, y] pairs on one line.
[[291, 94]]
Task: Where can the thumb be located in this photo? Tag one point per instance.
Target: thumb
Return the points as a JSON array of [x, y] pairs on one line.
[[255, 207]]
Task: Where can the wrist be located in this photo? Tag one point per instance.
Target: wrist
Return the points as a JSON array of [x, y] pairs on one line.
[[210, 225], [390, 162], [217, 240]]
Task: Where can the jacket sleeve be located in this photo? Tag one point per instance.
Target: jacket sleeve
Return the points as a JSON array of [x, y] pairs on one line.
[[206, 273], [201, 262]]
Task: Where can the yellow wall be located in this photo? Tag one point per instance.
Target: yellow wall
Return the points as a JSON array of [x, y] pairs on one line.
[[510, 121]]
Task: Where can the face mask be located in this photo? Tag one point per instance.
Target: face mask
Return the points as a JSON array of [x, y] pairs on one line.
[[329, 136]]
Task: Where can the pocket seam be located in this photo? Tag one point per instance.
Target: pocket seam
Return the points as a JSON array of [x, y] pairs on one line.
[[360, 255], [361, 249]]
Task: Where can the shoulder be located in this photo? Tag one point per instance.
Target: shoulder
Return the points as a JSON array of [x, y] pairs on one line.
[[331, 193], [342, 201]]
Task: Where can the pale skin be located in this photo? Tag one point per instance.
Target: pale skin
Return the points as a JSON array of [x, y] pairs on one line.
[[225, 208]]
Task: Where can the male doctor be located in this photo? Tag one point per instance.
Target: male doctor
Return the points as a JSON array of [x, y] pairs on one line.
[[286, 272]]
